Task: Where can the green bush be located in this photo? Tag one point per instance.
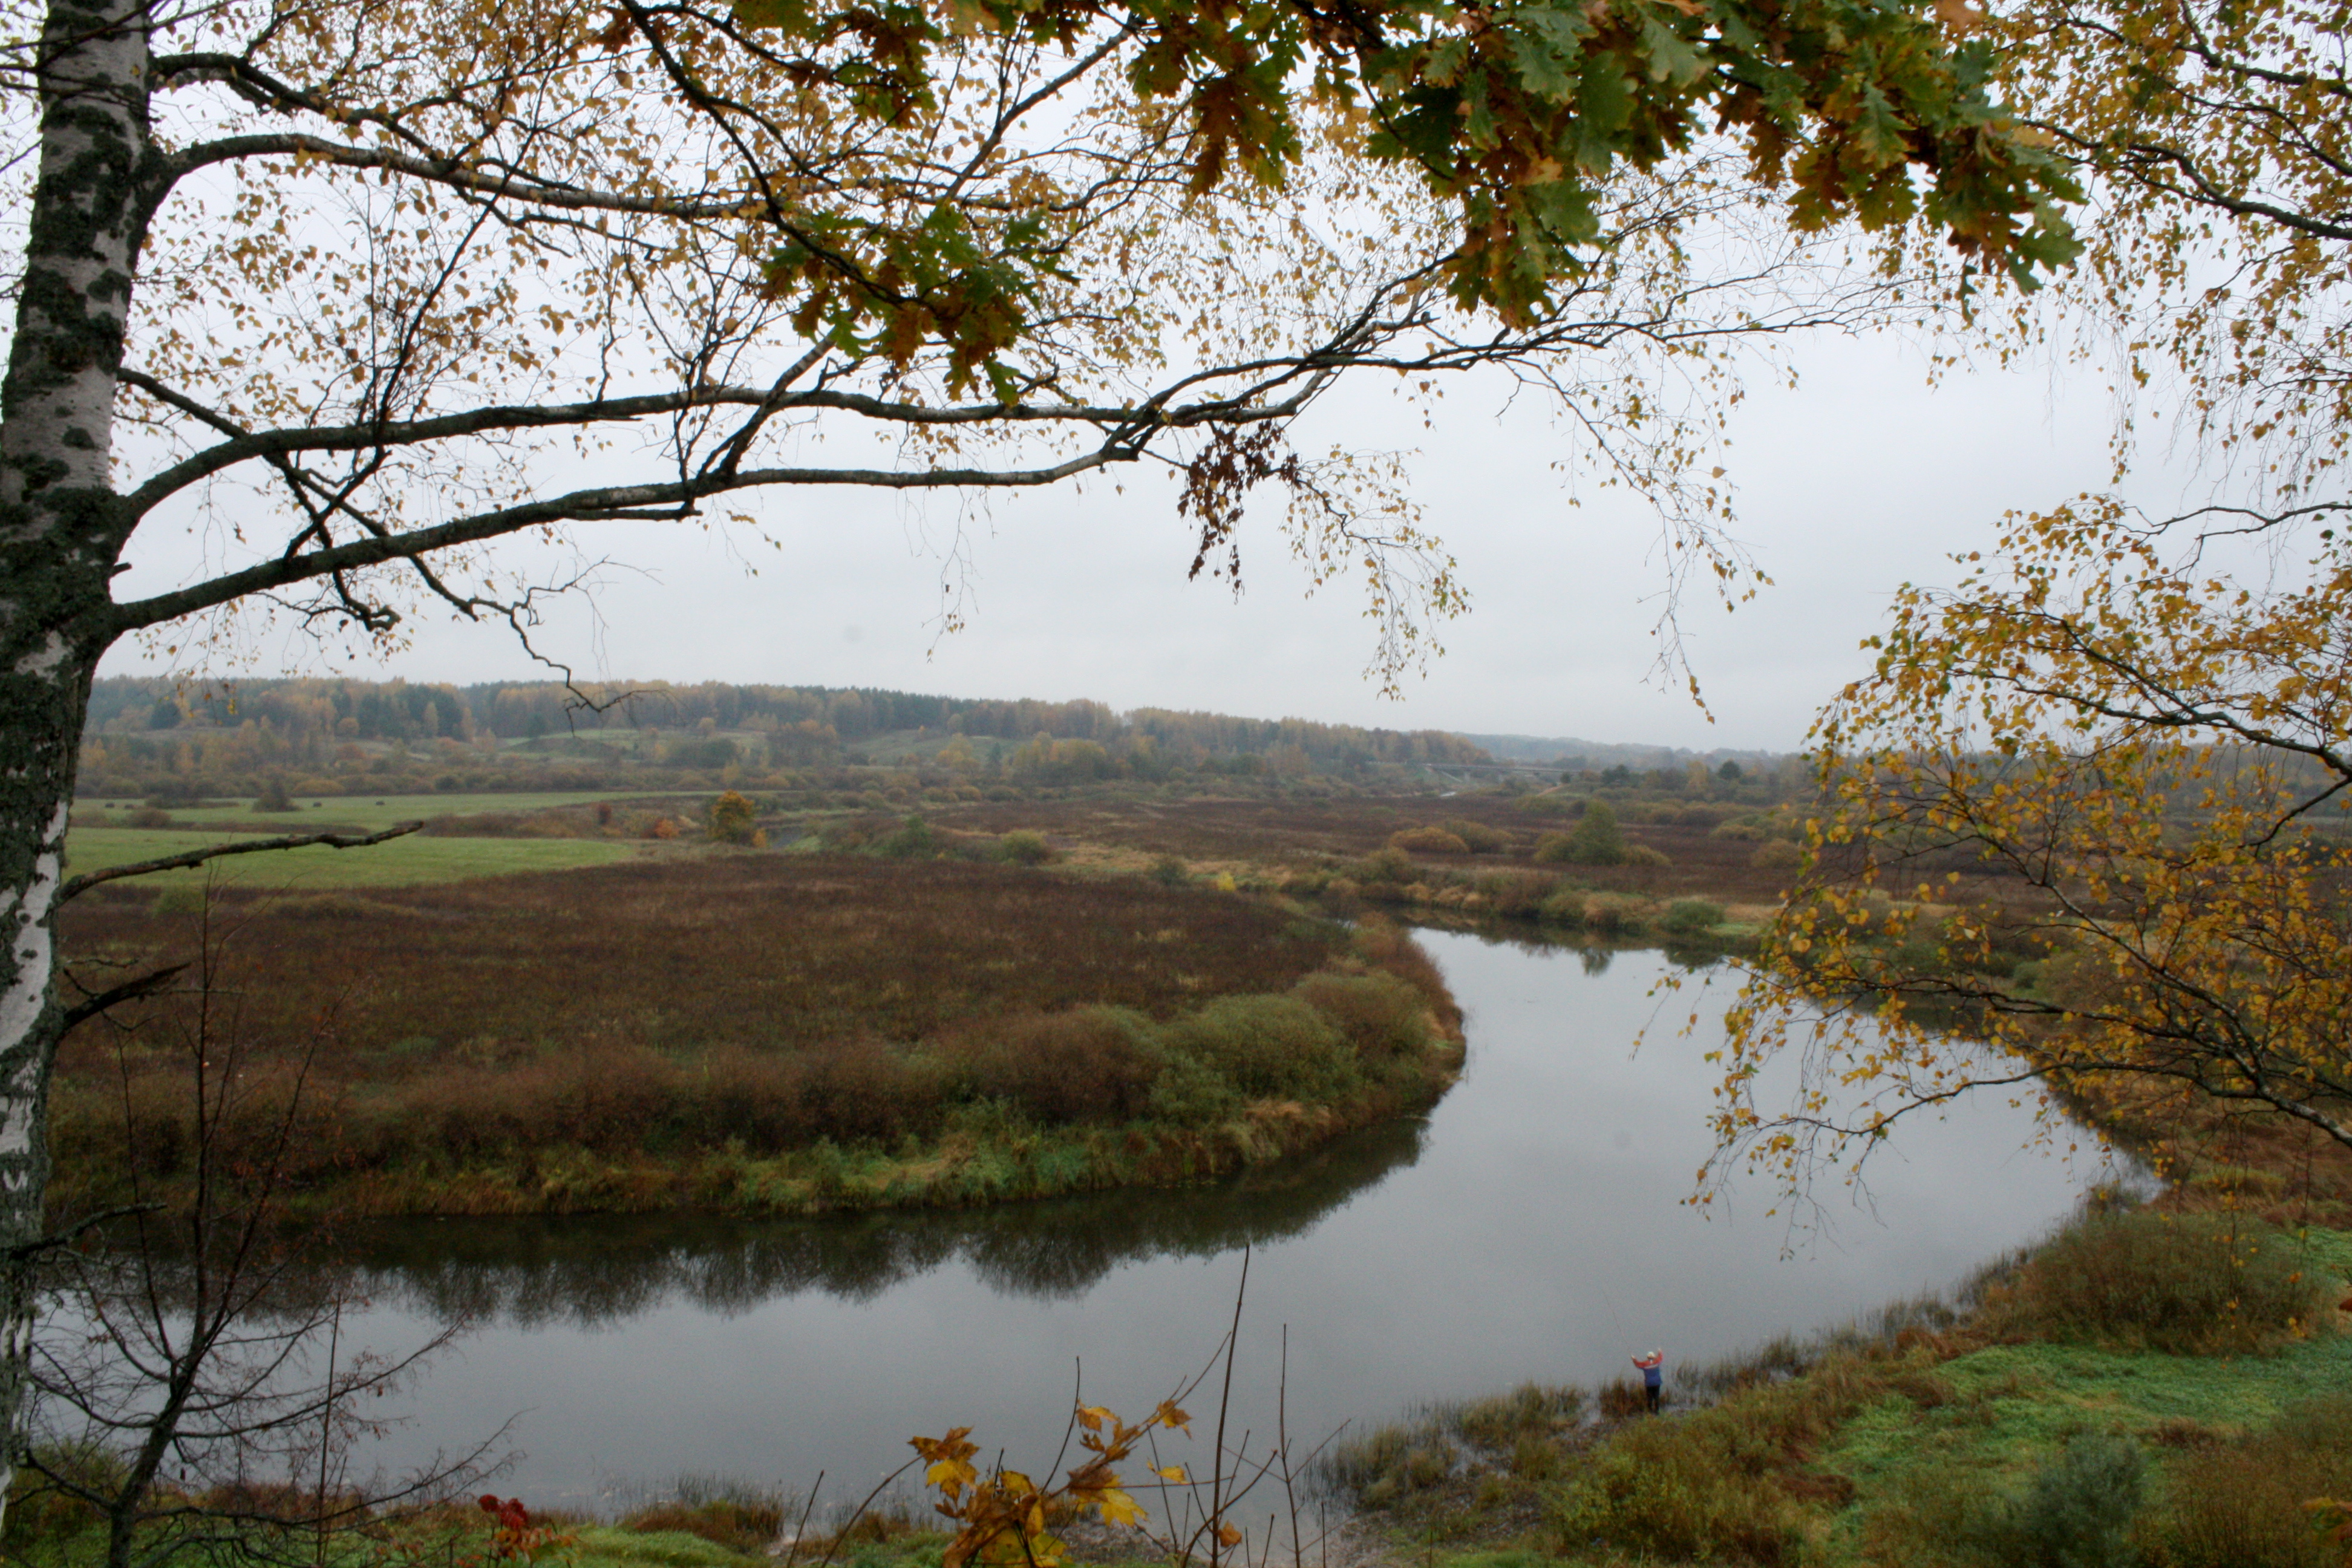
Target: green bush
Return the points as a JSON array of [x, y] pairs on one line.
[[1192, 1092], [180, 899], [2076, 1512], [1642, 855], [1386, 1019], [1679, 1490], [1481, 838], [914, 840], [1615, 914], [1267, 1048], [1597, 840], [1691, 917], [1170, 871], [1391, 864], [1777, 855], [1024, 847], [1565, 907], [2187, 1284], [1522, 894]]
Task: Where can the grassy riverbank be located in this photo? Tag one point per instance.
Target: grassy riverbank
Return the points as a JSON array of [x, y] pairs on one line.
[[749, 1033], [2166, 1387]]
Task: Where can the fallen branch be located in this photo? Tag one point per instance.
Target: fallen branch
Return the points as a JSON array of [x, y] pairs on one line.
[[77, 886]]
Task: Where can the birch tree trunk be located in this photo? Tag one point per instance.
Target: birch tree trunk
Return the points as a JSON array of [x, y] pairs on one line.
[[61, 532]]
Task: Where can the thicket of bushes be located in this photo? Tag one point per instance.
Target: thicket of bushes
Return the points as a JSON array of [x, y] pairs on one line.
[[2191, 1284], [1370, 1033]]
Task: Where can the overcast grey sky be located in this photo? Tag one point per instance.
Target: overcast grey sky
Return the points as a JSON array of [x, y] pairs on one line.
[[1861, 478]]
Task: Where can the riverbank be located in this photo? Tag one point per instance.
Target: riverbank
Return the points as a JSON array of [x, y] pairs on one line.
[[747, 1033], [2168, 1387]]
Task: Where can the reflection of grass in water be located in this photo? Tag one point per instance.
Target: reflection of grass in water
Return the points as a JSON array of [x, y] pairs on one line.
[[594, 1269]]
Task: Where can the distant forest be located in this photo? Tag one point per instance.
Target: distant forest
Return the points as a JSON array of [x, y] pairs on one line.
[[316, 737]]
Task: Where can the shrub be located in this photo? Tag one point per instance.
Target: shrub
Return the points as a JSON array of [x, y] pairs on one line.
[[1596, 840], [1777, 855], [1385, 1018], [181, 898], [913, 840], [1391, 864], [1615, 914], [1565, 907], [2241, 1505], [733, 818], [273, 796], [1024, 847], [1642, 855], [147, 816], [1516, 892], [1481, 838], [1094, 1064], [1548, 805], [1428, 841], [1192, 1092], [1267, 1048], [1691, 917], [2075, 1513], [1170, 871], [1745, 829], [2181, 1283], [1677, 1491]]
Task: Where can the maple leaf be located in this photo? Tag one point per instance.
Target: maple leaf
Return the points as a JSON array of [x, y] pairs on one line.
[[1118, 1508]]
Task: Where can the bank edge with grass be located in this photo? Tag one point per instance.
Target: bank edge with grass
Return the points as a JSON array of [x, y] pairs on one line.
[[2162, 1386], [1031, 1105]]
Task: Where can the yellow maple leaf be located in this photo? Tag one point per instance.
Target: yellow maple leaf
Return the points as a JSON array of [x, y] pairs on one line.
[[1118, 1508]]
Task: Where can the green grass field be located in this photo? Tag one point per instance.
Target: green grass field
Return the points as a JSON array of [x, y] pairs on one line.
[[403, 862], [364, 811]]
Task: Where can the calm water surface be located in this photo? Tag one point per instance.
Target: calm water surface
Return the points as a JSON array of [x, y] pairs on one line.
[[1533, 1226]]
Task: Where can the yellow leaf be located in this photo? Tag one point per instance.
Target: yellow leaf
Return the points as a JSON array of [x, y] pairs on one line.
[[1118, 1508]]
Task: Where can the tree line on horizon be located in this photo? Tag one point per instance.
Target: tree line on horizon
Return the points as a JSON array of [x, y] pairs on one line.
[[145, 734]]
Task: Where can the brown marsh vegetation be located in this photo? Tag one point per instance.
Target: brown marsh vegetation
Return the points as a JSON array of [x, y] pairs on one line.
[[771, 1033]]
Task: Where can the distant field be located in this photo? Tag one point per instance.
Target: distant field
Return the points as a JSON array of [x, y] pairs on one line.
[[403, 862], [363, 811]]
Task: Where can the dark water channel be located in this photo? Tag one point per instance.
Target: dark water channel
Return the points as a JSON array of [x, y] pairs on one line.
[[1531, 1228]]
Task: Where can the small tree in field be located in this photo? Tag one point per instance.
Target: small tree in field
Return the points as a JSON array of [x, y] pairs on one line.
[[733, 818]]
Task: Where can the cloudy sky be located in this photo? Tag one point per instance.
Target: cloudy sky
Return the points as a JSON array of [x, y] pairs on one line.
[[1861, 478]]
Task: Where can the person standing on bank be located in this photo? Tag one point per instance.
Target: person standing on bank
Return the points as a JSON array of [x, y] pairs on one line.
[[1653, 1377]]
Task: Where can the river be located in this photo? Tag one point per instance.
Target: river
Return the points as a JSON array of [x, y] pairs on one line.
[[1533, 1226]]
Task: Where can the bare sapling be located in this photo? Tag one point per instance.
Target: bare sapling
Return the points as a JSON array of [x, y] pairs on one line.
[[194, 1388]]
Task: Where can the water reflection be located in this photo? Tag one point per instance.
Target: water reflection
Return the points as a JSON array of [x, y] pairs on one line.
[[1535, 1226], [592, 1271]]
